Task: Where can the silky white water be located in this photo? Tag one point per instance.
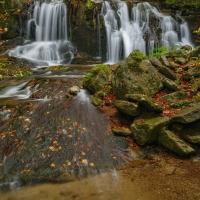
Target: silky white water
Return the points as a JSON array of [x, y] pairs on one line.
[[51, 45], [144, 28]]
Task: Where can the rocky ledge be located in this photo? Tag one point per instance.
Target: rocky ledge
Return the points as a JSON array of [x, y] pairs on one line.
[[161, 96]]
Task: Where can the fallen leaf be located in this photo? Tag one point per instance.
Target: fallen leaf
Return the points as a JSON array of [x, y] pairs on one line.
[[53, 165]]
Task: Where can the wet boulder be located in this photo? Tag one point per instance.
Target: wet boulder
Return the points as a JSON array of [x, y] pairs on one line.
[[172, 142], [135, 75], [146, 130], [127, 108]]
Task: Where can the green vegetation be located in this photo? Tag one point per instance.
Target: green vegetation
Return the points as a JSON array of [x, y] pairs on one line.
[[89, 4], [197, 32], [160, 51], [184, 3], [137, 55]]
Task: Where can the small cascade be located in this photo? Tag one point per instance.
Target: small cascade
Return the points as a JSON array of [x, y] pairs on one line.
[[20, 91], [51, 45], [144, 29]]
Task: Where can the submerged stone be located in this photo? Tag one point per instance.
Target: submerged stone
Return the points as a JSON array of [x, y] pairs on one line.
[[127, 108], [146, 130], [172, 142]]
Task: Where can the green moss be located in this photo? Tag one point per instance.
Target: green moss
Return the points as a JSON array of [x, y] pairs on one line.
[[99, 77], [96, 101], [153, 120], [137, 55], [89, 4], [102, 67]]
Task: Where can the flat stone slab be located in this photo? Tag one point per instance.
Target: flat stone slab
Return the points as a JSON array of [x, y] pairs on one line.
[[127, 108], [146, 102], [172, 142], [188, 115]]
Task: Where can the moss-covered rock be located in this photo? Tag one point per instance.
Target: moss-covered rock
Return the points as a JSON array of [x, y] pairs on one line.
[[172, 142], [127, 108], [187, 116], [175, 96], [146, 130], [169, 84], [135, 76], [99, 77], [147, 103], [122, 131], [96, 101]]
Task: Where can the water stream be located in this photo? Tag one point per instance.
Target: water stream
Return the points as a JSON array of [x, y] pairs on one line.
[[49, 44], [143, 28]]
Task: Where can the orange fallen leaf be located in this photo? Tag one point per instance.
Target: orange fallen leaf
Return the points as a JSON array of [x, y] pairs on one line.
[[53, 165]]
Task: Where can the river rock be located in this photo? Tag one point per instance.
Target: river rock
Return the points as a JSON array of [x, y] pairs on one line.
[[167, 72], [187, 116], [191, 132], [99, 77], [169, 84], [74, 90], [194, 72], [146, 130], [175, 96], [127, 108], [121, 131], [195, 52], [147, 103], [136, 75], [96, 101], [172, 142], [165, 61], [181, 61], [173, 65], [186, 47], [155, 62]]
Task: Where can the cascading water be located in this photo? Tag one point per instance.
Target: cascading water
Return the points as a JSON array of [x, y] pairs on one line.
[[146, 29], [51, 45]]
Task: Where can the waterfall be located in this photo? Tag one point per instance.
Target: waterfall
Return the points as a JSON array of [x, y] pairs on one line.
[[51, 45], [143, 29]]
